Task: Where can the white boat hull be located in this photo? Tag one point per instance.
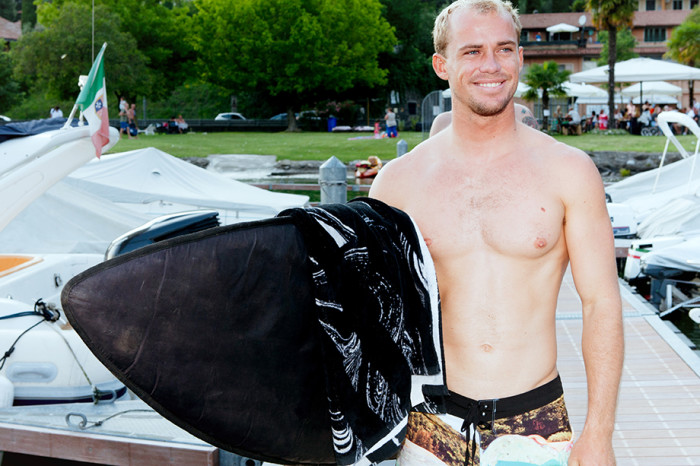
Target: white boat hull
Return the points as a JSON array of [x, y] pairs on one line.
[[49, 363]]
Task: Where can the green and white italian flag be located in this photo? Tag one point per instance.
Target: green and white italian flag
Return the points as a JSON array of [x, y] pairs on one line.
[[93, 104]]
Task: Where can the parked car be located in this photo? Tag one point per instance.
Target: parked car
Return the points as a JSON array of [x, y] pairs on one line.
[[282, 116], [305, 115], [230, 116], [308, 115]]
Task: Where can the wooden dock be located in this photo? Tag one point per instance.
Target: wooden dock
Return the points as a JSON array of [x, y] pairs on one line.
[[658, 419]]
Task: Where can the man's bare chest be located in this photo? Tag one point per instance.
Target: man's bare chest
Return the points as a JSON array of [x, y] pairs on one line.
[[515, 217]]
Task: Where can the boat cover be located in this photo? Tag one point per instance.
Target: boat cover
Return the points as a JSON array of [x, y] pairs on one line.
[[681, 256], [674, 178], [66, 219], [151, 176], [20, 129], [677, 216]]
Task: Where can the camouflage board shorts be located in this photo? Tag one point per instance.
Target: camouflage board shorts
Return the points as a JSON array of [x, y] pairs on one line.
[[523, 430]]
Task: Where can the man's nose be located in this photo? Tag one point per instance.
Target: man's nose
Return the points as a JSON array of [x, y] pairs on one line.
[[490, 63]]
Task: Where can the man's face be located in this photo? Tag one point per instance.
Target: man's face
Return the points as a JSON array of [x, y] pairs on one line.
[[482, 61]]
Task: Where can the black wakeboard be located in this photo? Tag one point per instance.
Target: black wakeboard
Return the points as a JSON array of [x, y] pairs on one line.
[[217, 331]]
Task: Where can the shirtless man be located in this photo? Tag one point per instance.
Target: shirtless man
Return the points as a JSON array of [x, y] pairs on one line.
[[522, 113], [504, 209]]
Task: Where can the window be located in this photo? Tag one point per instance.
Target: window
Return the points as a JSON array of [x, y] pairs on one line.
[[677, 4], [566, 66], [654, 34], [693, 4], [651, 5]]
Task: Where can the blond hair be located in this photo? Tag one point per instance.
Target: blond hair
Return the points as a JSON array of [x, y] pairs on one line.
[[441, 29]]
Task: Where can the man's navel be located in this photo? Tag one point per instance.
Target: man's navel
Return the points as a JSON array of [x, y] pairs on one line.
[[486, 348]]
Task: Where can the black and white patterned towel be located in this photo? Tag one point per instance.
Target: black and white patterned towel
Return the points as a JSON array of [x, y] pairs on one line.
[[378, 309]]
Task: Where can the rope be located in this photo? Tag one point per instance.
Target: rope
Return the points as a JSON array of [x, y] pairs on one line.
[[84, 421], [47, 313]]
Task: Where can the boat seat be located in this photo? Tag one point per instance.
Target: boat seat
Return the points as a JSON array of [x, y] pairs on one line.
[[11, 263]]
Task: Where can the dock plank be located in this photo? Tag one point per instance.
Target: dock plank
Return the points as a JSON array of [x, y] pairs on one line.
[[658, 415]]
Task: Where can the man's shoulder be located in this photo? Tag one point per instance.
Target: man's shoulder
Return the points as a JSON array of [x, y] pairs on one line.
[[399, 176], [556, 152]]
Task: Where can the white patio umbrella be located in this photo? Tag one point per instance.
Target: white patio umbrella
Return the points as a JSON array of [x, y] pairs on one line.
[[638, 70], [654, 99], [652, 87], [584, 90], [522, 89], [562, 27]]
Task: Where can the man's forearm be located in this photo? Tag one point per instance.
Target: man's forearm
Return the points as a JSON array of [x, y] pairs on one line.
[[603, 355]]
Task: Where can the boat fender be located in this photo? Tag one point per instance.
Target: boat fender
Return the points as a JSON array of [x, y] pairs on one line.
[[7, 392]]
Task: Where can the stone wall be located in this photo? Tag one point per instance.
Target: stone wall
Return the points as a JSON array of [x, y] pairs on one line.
[[610, 163]]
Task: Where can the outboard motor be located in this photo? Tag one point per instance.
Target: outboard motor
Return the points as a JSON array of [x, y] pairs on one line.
[[162, 228]]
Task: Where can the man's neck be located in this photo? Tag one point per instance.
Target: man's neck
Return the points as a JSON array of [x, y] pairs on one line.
[[481, 133]]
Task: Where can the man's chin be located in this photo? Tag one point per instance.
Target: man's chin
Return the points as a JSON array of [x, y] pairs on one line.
[[490, 110]]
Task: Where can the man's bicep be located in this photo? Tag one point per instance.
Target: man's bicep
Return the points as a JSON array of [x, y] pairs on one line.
[[590, 242]]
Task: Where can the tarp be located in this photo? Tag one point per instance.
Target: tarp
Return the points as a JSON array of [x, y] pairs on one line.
[[67, 220], [674, 182], [682, 256], [153, 182], [665, 200], [19, 129], [678, 216]]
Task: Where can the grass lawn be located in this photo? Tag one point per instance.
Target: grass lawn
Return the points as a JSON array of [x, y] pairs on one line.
[[321, 146]]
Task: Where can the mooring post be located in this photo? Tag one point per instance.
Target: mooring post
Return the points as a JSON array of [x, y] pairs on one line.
[[401, 148], [333, 179]]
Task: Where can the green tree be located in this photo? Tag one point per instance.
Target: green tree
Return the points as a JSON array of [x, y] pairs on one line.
[[684, 45], [8, 9], [28, 15], [293, 50], [160, 29], [625, 46], [409, 63], [611, 15], [50, 59], [543, 6], [549, 79], [9, 88]]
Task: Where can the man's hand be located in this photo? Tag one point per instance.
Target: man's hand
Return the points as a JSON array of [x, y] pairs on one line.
[[589, 451]]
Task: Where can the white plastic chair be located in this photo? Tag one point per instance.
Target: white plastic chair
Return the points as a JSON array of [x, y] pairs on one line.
[[663, 121]]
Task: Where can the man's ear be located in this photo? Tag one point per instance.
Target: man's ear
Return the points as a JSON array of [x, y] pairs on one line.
[[440, 66], [521, 58]]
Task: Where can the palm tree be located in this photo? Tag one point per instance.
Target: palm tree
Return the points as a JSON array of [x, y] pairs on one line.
[[684, 45], [550, 79], [610, 15]]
